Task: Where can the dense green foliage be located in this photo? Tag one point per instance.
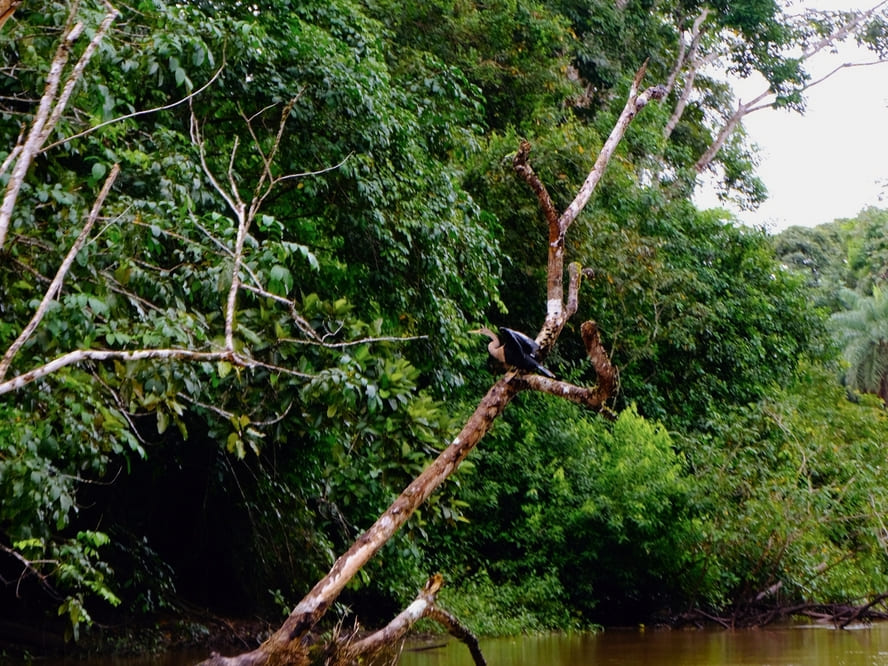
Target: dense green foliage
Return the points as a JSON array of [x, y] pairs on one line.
[[394, 225], [790, 495], [596, 517], [845, 264]]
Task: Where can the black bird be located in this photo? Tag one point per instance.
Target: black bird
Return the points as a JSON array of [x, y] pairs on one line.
[[515, 349]]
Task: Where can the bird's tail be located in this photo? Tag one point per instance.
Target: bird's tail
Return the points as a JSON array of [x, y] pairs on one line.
[[544, 371]]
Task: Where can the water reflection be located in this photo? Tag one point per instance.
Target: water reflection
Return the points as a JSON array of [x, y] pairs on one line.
[[773, 646], [177, 658], [782, 646]]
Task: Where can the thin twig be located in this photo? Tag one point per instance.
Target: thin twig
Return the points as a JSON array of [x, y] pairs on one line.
[[353, 343], [318, 172], [135, 114], [13, 155], [121, 408], [29, 568], [230, 415]]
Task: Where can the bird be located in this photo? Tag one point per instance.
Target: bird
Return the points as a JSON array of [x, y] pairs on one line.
[[515, 349]]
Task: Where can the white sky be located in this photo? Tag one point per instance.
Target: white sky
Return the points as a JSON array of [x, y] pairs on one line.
[[833, 161]]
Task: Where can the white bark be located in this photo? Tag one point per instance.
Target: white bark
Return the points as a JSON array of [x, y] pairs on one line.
[[728, 128], [49, 110], [81, 355], [690, 55], [56, 285], [633, 105]]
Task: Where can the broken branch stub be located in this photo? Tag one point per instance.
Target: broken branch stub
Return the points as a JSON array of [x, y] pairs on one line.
[[381, 646], [396, 629]]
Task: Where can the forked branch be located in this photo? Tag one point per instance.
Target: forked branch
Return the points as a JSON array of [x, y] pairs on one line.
[[767, 99], [286, 645], [82, 355], [556, 311], [393, 634], [49, 110]]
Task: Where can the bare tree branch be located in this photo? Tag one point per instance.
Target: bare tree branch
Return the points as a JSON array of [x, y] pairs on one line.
[[459, 631], [591, 398], [29, 569], [395, 630], [828, 41], [233, 199], [594, 398], [266, 180], [696, 64], [352, 343], [424, 606], [81, 355], [687, 52], [32, 142], [728, 128], [77, 72], [198, 141], [245, 213], [56, 284], [231, 302], [52, 105], [318, 172], [7, 9], [635, 103], [286, 644], [135, 114], [598, 357], [839, 68], [556, 312], [13, 155], [231, 415], [522, 166], [758, 103], [575, 276]]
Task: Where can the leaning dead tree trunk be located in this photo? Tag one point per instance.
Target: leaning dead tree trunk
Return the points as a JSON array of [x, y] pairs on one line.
[[288, 645]]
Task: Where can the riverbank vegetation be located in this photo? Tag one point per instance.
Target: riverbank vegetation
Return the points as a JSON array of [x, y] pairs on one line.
[[241, 251]]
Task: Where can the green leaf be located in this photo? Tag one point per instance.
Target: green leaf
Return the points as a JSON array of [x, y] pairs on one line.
[[163, 421]]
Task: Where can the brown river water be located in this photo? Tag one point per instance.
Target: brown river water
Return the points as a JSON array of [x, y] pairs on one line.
[[773, 646], [781, 646]]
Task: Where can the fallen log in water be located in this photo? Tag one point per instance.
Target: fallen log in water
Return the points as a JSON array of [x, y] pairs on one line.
[[757, 614]]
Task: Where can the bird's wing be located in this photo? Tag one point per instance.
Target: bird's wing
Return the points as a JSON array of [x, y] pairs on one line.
[[528, 346]]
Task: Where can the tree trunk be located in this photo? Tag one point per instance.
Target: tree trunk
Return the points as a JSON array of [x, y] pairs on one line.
[[287, 645], [290, 643]]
